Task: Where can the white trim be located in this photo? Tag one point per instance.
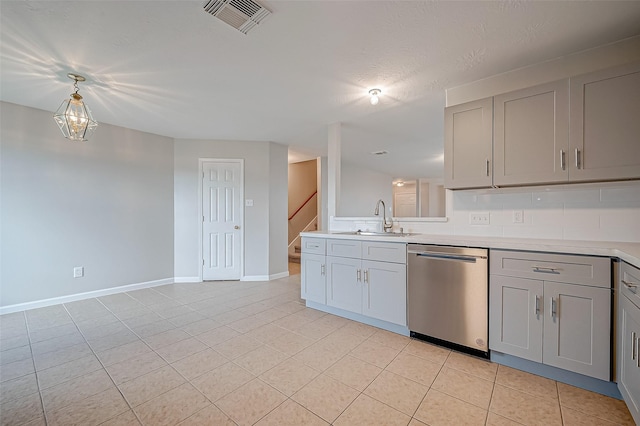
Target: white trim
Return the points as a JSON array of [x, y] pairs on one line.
[[81, 296], [284, 274], [265, 277], [241, 239], [187, 280]]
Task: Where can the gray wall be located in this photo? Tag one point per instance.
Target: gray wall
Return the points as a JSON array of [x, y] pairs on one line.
[[360, 190], [106, 204], [265, 178], [278, 201]]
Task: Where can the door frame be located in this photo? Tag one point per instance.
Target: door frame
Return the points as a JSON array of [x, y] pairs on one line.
[[201, 161]]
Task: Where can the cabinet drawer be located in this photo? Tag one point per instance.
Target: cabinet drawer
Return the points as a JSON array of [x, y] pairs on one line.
[[344, 248], [384, 252], [630, 282], [313, 245], [585, 270]]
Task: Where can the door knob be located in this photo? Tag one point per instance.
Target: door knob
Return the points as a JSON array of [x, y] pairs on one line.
[[236, 227]]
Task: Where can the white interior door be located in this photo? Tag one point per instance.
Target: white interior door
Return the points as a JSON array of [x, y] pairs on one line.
[[221, 219]]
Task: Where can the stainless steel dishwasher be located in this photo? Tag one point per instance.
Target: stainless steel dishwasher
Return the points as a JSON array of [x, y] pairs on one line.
[[448, 296]]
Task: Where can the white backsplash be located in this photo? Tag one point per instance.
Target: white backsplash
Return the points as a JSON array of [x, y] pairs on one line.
[[597, 212]]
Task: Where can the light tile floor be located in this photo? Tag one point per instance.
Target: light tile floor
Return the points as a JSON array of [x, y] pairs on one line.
[[243, 353]]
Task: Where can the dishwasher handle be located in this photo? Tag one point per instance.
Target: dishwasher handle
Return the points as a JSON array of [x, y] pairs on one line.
[[446, 256]]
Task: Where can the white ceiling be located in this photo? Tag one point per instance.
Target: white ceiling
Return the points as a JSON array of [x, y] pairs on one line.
[[169, 68]]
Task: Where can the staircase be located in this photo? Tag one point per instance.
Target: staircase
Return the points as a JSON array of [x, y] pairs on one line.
[[295, 256]]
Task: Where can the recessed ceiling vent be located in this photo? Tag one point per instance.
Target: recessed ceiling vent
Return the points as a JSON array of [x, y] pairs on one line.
[[242, 15]]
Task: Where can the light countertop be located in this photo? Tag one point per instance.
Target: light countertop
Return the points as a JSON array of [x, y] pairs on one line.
[[629, 252]]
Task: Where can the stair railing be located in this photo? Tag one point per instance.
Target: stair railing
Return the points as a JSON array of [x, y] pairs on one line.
[[303, 204]]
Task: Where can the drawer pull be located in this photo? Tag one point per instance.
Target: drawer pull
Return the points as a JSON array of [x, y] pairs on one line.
[[544, 270], [630, 286], [633, 345], [537, 305]]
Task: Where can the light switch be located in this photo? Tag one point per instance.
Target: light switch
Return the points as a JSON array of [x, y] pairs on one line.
[[248, 203]]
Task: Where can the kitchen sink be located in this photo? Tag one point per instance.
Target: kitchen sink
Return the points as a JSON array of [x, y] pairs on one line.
[[376, 234]]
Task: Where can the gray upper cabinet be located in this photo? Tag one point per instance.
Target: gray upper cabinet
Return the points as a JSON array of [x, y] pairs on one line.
[[605, 125], [468, 136], [531, 135], [586, 128]]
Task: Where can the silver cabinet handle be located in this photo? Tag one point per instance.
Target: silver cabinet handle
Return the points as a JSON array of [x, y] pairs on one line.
[[633, 345], [322, 270], [628, 285], [637, 357], [544, 270], [366, 275], [562, 159], [577, 158], [553, 307], [236, 227], [537, 305], [359, 276], [487, 163]]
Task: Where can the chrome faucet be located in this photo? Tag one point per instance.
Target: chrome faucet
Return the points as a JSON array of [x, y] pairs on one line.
[[386, 227]]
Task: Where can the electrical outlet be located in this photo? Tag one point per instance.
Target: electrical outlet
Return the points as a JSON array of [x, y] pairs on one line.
[[78, 272], [518, 216], [481, 218]]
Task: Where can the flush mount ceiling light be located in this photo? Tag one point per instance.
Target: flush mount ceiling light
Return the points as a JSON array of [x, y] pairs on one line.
[[374, 96], [73, 117], [400, 183]]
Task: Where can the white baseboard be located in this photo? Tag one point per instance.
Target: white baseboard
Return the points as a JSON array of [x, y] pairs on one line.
[[187, 280], [284, 274], [265, 277], [255, 278], [81, 296]]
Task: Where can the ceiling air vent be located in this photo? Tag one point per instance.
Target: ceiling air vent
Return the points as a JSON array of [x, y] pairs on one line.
[[242, 15]]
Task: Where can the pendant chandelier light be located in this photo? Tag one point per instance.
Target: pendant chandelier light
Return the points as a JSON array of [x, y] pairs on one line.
[[73, 117]]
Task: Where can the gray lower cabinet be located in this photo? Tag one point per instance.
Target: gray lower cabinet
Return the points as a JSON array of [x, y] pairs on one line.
[[535, 316], [364, 277], [372, 288], [313, 270], [313, 277], [628, 348]]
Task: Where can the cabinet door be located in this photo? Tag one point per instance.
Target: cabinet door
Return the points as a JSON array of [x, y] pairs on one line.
[[628, 356], [344, 288], [468, 136], [604, 125], [385, 291], [577, 328], [313, 281], [516, 316], [531, 135]]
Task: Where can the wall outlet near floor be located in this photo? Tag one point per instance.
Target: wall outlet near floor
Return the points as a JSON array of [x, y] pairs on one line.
[[78, 272], [518, 216], [481, 218]]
